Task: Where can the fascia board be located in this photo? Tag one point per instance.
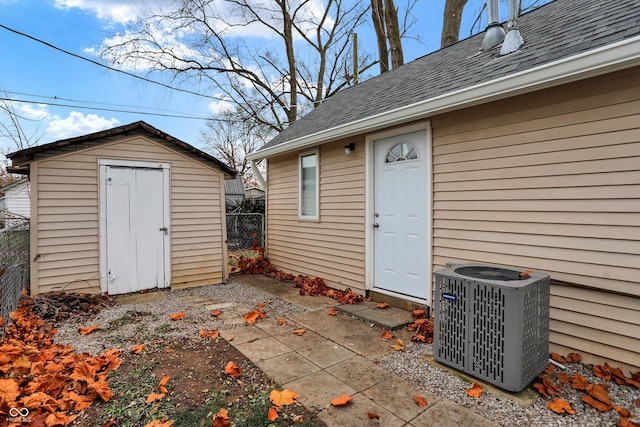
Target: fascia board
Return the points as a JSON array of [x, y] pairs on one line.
[[606, 59]]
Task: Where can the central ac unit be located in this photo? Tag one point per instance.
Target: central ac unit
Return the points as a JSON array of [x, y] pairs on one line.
[[492, 322]]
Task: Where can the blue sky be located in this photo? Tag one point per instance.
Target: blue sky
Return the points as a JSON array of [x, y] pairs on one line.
[[92, 98]]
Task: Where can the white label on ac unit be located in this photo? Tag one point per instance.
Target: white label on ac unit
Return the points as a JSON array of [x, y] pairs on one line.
[[449, 297]]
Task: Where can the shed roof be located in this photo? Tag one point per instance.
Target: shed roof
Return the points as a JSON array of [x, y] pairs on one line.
[[565, 40], [20, 160]]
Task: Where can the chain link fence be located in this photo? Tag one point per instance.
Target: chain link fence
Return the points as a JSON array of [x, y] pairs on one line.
[[14, 265], [243, 229]]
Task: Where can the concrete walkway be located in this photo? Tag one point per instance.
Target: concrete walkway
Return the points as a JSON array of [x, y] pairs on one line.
[[333, 357]]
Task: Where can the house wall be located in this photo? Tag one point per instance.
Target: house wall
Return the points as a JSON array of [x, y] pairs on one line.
[[333, 247], [17, 199], [551, 181], [65, 217]]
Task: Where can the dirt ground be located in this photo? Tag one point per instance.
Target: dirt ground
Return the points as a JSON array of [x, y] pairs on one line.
[[198, 387]]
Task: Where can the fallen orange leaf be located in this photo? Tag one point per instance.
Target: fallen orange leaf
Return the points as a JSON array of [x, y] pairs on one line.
[[284, 397], [563, 377], [598, 391], [331, 311], [260, 304], [382, 305], [137, 348], [579, 382], [87, 330], [209, 334], [573, 357], [160, 423], [153, 397], [221, 419], [386, 335], [282, 322], [273, 414], [341, 401], [58, 418], [230, 338], [623, 412], [177, 316], [420, 401], [298, 332], [625, 422], [373, 416], [9, 390], [600, 406], [252, 316], [475, 390], [216, 313], [560, 406], [558, 358], [163, 383], [399, 346], [232, 369]]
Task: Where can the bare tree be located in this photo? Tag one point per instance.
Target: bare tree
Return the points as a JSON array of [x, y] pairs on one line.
[[231, 140], [304, 57], [12, 127], [451, 22], [389, 34]]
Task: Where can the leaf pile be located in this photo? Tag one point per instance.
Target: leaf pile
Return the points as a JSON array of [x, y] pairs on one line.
[[308, 285], [50, 380], [421, 327], [551, 383]]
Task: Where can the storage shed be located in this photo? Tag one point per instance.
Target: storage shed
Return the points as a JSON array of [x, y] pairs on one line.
[[123, 210]]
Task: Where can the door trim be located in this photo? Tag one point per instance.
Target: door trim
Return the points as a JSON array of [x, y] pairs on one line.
[[102, 203], [370, 206]]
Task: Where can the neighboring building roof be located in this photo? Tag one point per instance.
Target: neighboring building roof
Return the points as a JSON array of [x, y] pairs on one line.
[[20, 159], [234, 186], [565, 40], [16, 183]]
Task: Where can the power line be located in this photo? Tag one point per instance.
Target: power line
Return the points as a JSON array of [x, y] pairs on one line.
[[113, 110], [75, 55], [57, 99]]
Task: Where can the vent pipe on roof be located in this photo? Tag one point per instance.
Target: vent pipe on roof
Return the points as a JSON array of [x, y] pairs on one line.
[[513, 39], [494, 34]]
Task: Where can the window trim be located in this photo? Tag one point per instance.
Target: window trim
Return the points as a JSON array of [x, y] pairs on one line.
[[316, 216]]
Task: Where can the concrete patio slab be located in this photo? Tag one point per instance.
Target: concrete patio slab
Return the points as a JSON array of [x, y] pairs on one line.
[[359, 373], [262, 349], [390, 318], [296, 342], [245, 334], [446, 413], [354, 414], [287, 367], [317, 390], [272, 327], [220, 306], [349, 332], [396, 395], [326, 353]]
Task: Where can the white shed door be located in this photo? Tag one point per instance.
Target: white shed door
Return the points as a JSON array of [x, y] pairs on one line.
[[135, 234], [401, 217]]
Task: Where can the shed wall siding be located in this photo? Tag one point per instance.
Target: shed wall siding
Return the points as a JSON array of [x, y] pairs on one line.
[[17, 200], [551, 181], [333, 247], [67, 250]]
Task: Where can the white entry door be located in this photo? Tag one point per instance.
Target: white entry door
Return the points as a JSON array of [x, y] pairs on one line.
[[401, 218], [135, 229]]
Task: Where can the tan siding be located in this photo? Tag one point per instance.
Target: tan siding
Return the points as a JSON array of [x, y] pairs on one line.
[[68, 216], [333, 247], [551, 181]]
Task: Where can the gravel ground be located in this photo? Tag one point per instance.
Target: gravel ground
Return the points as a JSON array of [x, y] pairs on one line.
[[408, 364]]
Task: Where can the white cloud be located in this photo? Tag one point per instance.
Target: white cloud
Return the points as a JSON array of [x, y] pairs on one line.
[[34, 111], [77, 124], [121, 11], [219, 107]]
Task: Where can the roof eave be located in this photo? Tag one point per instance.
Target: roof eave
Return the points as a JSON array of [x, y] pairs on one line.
[[606, 59]]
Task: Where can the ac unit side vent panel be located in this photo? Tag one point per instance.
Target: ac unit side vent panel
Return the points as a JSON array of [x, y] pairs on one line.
[[494, 330]]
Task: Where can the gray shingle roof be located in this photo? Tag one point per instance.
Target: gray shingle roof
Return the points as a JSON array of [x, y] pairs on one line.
[[558, 30]]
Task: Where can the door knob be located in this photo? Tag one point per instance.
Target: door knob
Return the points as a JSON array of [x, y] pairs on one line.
[[166, 231]]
